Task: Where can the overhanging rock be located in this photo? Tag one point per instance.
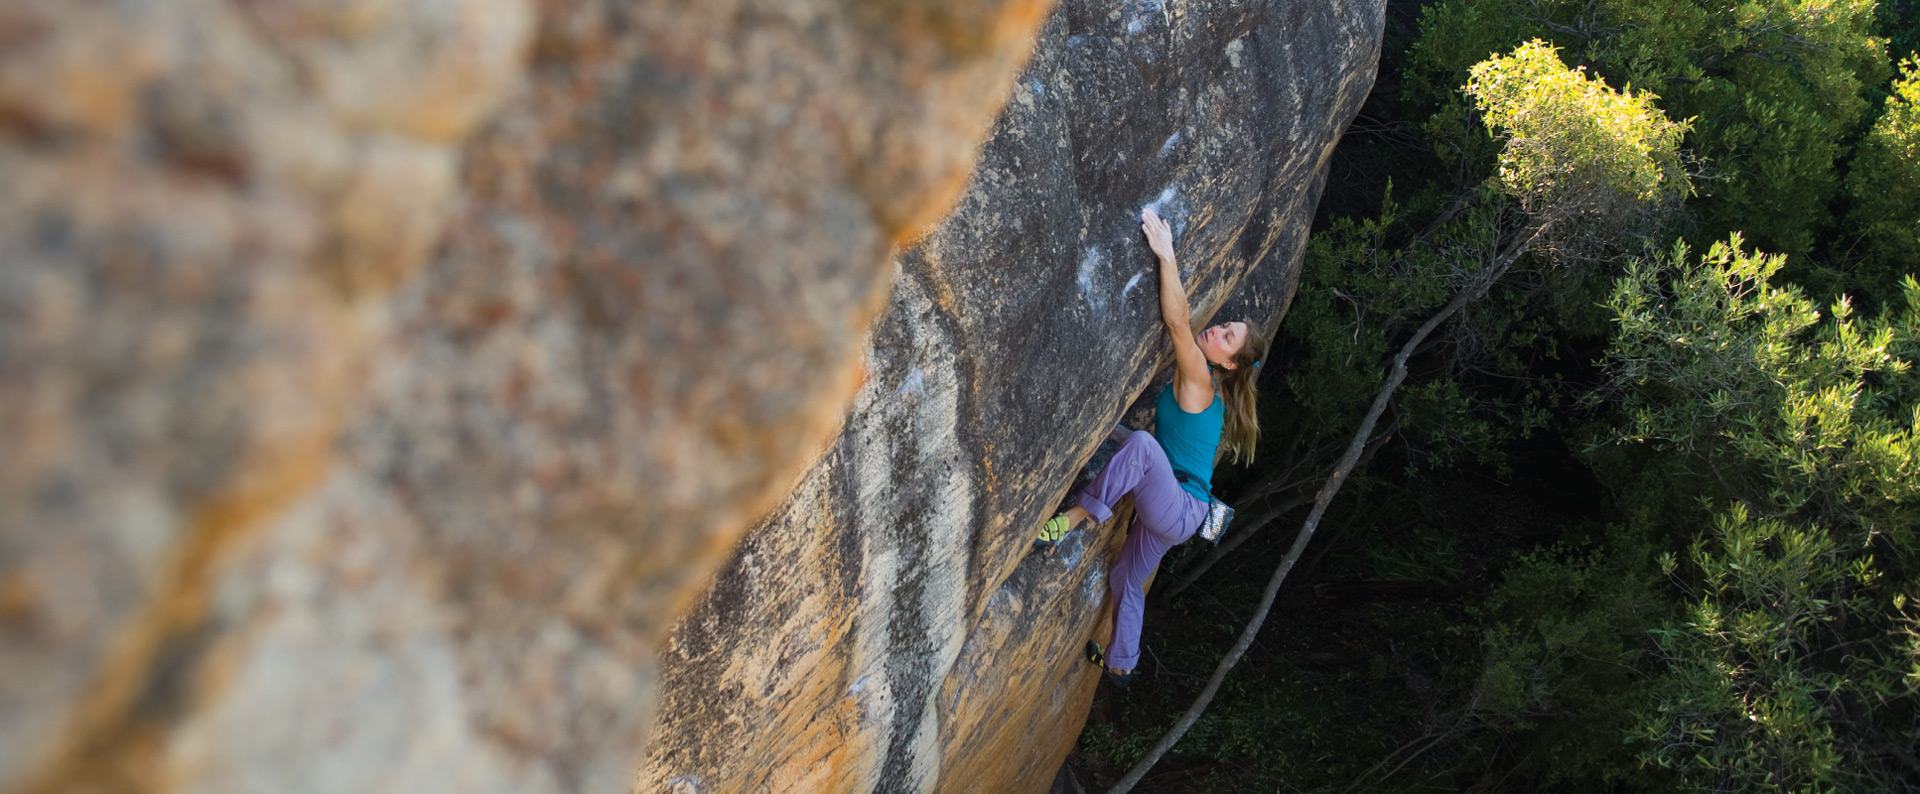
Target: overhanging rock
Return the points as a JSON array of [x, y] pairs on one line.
[[887, 628]]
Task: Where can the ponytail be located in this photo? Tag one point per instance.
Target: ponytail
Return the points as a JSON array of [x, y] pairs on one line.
[[1239, 391]]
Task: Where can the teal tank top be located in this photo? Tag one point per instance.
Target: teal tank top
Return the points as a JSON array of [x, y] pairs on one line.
[[1190, 440]]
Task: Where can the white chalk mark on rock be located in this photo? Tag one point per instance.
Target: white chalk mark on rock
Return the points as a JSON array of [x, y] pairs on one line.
[[1168, 146], [1096, 581], [1131, 283], [915, 384], [1088, 265], [1172, 208], [1160, 202]]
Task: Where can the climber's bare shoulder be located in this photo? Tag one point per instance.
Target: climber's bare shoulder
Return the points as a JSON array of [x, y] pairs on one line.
[[1192, 379]]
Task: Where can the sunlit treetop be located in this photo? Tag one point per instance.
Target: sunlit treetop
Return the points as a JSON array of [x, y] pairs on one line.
[[1571, 138]]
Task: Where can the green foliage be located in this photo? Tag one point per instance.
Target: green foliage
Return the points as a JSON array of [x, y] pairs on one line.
[[1899, 23], [1338, 327], [1567, 134], [1565, 659], [1120, 749], [1570, 146], [1790, 671], [1744, 705], [1885, 184], [1776, 88], [1717, 361], [1422, 555], [1364, 285]]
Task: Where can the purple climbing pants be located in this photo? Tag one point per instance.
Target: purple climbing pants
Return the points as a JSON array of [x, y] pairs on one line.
[[1165, 516]]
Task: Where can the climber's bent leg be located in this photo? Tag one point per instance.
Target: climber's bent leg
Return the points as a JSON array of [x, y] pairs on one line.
[[1140, 467], [1165, 516]]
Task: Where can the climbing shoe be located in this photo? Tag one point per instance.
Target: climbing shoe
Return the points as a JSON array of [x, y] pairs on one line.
[[1051, 533], [1097, 656]]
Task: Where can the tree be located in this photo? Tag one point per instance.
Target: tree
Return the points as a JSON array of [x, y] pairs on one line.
[[1796, 667], [1573, 145], [1778, 88]]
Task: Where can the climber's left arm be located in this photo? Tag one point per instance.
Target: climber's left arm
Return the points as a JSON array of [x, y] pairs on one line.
[[1192, 384]]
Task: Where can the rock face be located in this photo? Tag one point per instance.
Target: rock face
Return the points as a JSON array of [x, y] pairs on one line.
[[887, 628], [383, 376]]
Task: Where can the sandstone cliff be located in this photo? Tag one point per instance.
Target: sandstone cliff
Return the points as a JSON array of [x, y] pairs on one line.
[[381, 377], [887, 627]]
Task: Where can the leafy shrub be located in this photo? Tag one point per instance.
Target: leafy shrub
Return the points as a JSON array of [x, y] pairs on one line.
[[1791, 670]]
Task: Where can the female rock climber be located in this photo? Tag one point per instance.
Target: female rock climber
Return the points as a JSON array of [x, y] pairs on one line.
[[1170, 471]]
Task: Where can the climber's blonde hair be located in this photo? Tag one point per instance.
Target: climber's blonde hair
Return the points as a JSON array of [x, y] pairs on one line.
[[1239, 390]]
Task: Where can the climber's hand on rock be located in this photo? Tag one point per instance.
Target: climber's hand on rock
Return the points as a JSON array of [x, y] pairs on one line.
[[1159, 234]]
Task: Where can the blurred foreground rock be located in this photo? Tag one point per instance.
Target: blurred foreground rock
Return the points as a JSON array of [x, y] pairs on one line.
[[381, 377], [888, 627]]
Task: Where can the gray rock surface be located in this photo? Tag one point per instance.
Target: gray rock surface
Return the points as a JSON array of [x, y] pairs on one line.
[[888, 628]]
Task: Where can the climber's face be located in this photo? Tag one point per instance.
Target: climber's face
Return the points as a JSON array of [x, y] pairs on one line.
[[1220, 342]]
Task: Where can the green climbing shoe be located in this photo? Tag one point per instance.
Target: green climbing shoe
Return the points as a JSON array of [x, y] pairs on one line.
[[1097, 656], [1055, 529]]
